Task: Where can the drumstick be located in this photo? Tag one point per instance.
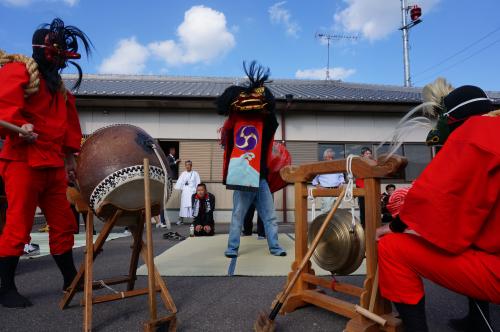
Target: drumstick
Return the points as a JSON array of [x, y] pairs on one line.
[[14, 128]]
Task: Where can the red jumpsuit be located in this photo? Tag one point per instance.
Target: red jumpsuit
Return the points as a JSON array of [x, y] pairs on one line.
[[455, 207], [34, 173]]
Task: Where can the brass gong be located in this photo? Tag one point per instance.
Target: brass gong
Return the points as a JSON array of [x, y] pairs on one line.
[[341, 250]]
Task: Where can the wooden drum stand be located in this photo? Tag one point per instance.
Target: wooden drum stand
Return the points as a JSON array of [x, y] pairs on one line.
[[305, 291], [139, 248]]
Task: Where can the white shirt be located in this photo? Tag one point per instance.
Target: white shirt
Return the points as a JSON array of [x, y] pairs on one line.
[[329, 180]]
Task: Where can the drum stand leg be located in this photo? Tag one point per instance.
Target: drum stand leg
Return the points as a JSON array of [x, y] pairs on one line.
[[89, 262], [95, 248], [153, 276]]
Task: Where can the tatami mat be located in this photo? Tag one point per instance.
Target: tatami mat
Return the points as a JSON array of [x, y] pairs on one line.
[[204, 256]]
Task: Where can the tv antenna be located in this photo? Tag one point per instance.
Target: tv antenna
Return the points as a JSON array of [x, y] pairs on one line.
[[329, 37]]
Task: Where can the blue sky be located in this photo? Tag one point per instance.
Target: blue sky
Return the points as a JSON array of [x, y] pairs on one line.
[[212, 38]]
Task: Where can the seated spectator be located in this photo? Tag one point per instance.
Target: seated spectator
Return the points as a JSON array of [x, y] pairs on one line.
[[386, 216], [328, 181], [203, 204]]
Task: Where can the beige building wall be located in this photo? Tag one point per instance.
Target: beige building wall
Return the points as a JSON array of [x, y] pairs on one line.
[[197, 134], [310, 126]]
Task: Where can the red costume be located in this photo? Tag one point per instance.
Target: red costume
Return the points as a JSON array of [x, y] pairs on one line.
[[35, 163], [34, 172], [451, 214], [456, 211]]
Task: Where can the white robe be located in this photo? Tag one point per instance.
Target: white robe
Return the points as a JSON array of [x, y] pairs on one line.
[[193, 180]]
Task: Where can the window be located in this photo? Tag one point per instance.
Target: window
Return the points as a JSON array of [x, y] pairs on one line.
[[419, 155], [338, 149], [384, 149], [355, 148]]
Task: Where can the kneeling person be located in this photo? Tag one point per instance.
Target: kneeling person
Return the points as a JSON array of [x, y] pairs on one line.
[[203, 204]]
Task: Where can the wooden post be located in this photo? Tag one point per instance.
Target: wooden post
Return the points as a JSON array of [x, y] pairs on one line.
[[89, 262], [149, 243]]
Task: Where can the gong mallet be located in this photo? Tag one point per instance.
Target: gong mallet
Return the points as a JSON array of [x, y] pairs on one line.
[[266, 323]]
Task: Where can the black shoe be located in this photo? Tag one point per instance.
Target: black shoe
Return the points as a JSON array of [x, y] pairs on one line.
[[11, 298], [66, 265], [413, 316], [475, 321]]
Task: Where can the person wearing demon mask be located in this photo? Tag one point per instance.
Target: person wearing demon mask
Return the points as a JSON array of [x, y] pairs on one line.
[[35, 165], [447, 225], [247, 137]]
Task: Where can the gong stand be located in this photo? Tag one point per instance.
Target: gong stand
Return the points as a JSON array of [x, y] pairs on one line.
[[139, 248], [305, 291]]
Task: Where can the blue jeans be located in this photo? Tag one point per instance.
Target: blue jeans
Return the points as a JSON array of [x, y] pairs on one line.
[[263, 201]]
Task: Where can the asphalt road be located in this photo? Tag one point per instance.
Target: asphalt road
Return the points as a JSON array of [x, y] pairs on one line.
[[204, 303]]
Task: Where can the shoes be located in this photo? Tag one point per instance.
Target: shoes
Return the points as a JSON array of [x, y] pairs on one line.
[[12, 299], [44, 229], [179, 222], [163, 225], [246, 234], [231, 254], [280, 253], [126, 232], [260, 237], [173, 236], [31, 249]]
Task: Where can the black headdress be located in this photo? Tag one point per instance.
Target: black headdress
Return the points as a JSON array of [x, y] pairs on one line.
[[452, 107], [254, 97], [53, 46]]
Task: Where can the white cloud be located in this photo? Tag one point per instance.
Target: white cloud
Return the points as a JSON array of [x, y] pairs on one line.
[[279, 15], [375, 19], [128, 58], [203, 37], [24, 3], [337, 73]]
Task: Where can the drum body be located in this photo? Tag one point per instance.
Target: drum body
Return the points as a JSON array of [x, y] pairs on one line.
[[341, 250], [110, 173]]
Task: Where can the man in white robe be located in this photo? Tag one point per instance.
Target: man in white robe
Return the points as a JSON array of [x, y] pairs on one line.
[[187, 183]]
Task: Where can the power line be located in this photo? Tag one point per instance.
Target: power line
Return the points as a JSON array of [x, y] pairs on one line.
[[459, 52], [464, 59]]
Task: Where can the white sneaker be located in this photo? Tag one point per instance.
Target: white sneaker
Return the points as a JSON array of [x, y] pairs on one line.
[[31, 249], [179, 222], [126, 232], [163, 225]]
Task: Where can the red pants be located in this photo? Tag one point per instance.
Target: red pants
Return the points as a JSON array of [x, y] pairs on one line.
[[404, 259], [26, 188]]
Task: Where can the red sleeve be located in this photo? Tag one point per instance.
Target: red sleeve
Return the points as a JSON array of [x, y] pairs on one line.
[[73, 138], [451, 200], [13, 78]]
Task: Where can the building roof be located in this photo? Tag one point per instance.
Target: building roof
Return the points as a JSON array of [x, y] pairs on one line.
[[141, 86], [210, 87]]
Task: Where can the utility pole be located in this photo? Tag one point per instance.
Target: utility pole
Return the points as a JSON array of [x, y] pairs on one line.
[[415, 13], [329, 37]]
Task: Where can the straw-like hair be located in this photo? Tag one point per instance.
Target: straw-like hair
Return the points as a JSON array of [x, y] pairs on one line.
[[435, 92]]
